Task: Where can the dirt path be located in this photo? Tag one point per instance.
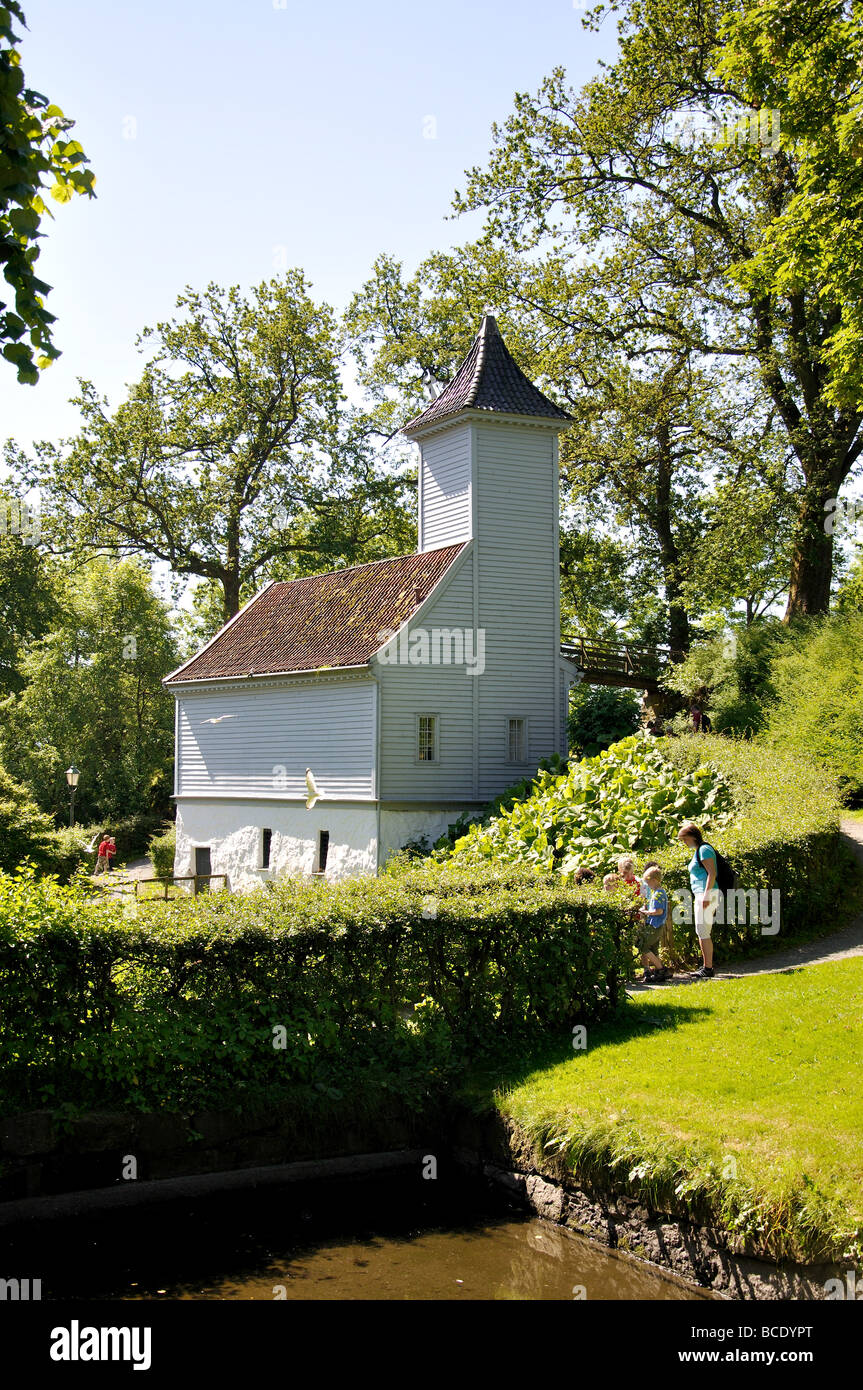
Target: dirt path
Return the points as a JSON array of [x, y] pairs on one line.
[[135, 868], [839, 945]]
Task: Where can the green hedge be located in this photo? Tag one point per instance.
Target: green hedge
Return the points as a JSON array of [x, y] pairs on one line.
[[162, 850], [785, 836], [177, 1006]]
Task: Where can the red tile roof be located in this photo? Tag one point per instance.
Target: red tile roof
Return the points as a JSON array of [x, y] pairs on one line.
[[490, 379], [330, 619]]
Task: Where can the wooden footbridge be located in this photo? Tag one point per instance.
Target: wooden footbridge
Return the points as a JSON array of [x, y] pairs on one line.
[[619, 663]]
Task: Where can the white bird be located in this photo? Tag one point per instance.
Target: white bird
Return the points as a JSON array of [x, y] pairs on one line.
[[312, 788], [219, 719]]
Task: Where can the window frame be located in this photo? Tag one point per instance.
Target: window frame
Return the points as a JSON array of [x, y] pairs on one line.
[[525, 760], [427, 762]]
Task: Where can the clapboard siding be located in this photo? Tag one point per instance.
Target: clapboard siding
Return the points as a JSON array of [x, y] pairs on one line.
[[518, 575], [445, 489], [329, 728], [406, 691]]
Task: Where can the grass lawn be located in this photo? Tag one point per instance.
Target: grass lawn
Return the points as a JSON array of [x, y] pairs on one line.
[[738, 1100], [852, 815]]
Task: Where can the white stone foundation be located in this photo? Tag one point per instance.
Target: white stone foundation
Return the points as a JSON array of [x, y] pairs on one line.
[[233, 831]]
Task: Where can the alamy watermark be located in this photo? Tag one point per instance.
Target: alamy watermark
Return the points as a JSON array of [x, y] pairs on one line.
[[22, 519], [842, 514], [735, 127], [438, 646], [759, 907], [20, 1290]]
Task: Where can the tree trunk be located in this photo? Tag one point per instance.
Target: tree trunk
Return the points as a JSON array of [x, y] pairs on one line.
[[678, 617], [812, 552], [230, 576], [230, 581]]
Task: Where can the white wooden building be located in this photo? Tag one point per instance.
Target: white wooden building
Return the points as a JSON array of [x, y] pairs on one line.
[[412, 688]]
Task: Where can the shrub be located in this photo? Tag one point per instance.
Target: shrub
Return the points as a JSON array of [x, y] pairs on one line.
[[73, 850], [600, 715], [162, 850], [627, 799], [818, 713], [730, 676], [519, 791], [783, 836], [181, 1005], [25, 831]]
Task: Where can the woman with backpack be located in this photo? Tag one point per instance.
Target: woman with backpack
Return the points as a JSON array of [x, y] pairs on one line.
[[703, 869]]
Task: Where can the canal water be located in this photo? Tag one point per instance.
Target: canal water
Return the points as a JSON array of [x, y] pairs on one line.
[[382, 1236], [504, 1259]]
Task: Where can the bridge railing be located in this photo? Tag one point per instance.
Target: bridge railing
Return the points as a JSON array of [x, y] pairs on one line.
[[620, 658]]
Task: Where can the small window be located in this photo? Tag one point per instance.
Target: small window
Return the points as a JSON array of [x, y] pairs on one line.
[[203, 869], [266, 843], [427, 738], [516, 740], [323, 850]]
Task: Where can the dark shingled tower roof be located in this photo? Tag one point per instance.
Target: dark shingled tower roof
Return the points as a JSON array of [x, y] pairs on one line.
[[488, 379]]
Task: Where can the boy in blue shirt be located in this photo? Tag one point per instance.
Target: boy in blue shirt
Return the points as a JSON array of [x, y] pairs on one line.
[[653, 914]]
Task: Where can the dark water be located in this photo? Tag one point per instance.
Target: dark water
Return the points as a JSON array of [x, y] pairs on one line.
[[505, 1259], [384, 1237]]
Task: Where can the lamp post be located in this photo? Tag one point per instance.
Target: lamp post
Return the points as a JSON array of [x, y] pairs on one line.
[[72, 775]]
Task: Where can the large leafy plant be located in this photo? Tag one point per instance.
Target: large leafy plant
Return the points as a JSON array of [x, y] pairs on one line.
[[629, 798]]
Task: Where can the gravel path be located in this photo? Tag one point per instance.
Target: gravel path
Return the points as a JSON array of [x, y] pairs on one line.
[[839, 945]]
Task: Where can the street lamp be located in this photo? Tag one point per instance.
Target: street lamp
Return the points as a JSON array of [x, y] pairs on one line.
[[72, 775]]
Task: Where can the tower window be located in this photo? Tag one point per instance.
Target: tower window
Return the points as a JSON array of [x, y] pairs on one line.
[[323, 850], [266, 843]]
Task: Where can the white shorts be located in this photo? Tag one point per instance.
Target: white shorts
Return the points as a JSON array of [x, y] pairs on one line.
[[705, 913]]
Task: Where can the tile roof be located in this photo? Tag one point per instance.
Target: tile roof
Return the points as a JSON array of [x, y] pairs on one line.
[[327, 620], [488, 379]]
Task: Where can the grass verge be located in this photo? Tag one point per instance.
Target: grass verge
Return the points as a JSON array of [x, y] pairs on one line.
[[736, 1104]]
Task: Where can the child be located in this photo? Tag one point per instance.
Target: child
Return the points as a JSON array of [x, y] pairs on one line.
[[610, 882], [102, 856], [626, 870], [654, 913], [651, 864]]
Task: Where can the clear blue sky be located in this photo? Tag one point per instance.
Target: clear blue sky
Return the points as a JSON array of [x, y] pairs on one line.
[[222, 130]]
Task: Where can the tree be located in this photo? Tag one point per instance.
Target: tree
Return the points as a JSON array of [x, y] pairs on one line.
[[610, 175], [232, 455], [806, 63], [25, 831], [731, 673], [600, 715], [33, 155], [28, 603], [93, 696]]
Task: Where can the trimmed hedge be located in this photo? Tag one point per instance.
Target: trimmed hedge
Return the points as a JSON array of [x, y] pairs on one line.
[[178, 1006], [162, 850]]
